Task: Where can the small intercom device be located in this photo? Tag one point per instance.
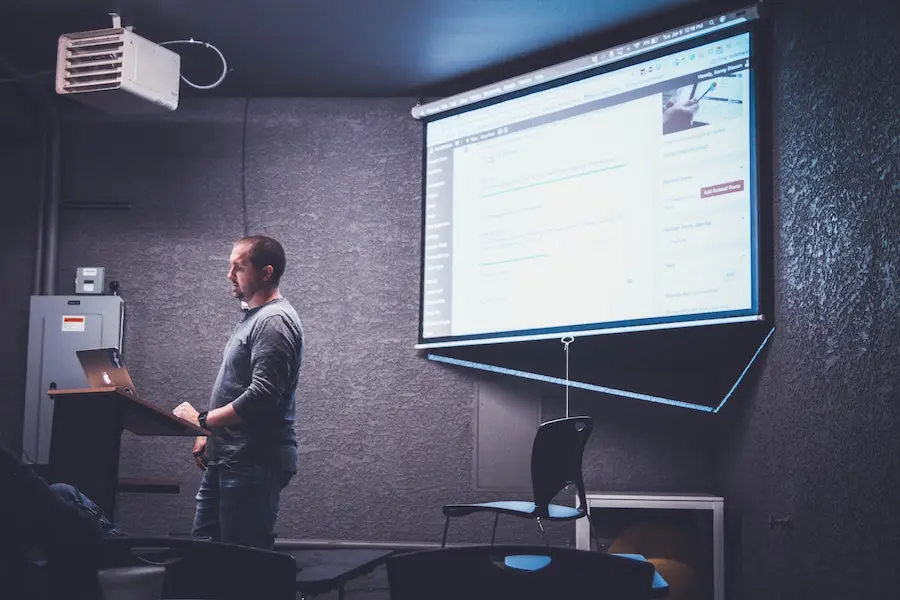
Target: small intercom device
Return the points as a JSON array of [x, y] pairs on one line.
[[90, 280]]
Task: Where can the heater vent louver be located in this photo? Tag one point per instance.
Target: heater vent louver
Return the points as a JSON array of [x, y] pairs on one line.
[[90, 62]]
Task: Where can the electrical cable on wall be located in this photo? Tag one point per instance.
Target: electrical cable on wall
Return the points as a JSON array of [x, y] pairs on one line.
[[246, 224], [221, 78], [566, 341], [213, 85]]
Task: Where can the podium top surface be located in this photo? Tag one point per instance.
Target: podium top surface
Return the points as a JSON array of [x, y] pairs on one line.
[[138, 416]]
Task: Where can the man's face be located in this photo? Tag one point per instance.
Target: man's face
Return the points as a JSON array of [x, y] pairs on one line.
[[245, 279]]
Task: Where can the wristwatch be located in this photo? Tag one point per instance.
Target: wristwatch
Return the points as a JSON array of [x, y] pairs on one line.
[[201, 418]]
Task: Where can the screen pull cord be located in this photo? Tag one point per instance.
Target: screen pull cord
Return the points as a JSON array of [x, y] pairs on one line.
[[566, 341]]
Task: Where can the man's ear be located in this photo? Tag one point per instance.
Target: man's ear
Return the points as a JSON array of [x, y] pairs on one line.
[[268, 271]]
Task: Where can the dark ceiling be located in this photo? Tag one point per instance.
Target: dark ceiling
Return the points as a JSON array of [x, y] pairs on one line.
[[345, 47]]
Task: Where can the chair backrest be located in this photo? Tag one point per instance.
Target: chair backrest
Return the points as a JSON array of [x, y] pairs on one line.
[[482, 573], [132, 583], [206, 569], [556, 457]]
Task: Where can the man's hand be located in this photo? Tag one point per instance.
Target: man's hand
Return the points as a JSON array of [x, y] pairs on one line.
[[187, 412], [224, 416], [199, 451]]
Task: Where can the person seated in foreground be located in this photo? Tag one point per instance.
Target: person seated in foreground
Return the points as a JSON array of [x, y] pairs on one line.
[[59, 524], [72, 495]]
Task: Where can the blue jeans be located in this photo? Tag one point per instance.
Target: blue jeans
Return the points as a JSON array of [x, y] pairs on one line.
[[237, 503], [73, 496]]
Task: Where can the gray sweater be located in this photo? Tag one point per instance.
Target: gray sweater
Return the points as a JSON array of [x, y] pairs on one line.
[[259, 374]]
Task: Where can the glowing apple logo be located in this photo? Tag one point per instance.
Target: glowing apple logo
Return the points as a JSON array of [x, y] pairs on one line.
[[106, 378]]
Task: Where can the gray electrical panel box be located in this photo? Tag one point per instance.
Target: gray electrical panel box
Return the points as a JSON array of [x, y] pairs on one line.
[[58, 327]]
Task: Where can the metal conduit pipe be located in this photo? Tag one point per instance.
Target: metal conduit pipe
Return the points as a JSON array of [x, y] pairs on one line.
[[46, 244]]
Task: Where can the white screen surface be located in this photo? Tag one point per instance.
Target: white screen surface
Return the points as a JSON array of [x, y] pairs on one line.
[[622, 200]]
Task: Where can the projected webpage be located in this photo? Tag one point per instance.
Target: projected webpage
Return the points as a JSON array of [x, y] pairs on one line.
[[622, 198]]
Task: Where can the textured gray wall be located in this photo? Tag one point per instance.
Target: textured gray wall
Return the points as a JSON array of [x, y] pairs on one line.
[[817, 438], [386, 436]]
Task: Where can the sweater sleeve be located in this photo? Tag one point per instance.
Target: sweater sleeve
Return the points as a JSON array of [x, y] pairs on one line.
[[273, 352]]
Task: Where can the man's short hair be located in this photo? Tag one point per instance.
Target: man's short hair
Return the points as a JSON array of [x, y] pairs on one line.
[[264, 251]]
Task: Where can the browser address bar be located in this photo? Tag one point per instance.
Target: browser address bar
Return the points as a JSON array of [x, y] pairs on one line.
[[527, 107]]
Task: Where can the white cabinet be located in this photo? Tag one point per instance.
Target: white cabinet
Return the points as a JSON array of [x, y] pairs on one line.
[[597, 502]]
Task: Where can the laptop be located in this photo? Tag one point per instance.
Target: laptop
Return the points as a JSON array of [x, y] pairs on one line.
[[104, 367]]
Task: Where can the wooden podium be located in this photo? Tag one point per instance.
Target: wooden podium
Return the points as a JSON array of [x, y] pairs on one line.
[[87, 436]]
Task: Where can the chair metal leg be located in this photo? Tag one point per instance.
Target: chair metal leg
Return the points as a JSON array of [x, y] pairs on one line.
[[593, 532], [543, 533], [446, 525], [494, 532]]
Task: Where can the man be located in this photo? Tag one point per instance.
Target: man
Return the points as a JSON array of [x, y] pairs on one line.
[[250, 453]]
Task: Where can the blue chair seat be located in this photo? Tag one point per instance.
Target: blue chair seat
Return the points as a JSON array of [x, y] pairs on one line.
[[512, 507], [660, 585], [536, 562], [527, 562]]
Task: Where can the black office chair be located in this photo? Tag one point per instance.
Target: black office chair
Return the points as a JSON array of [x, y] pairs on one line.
[[521, 572], [556, 456]]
